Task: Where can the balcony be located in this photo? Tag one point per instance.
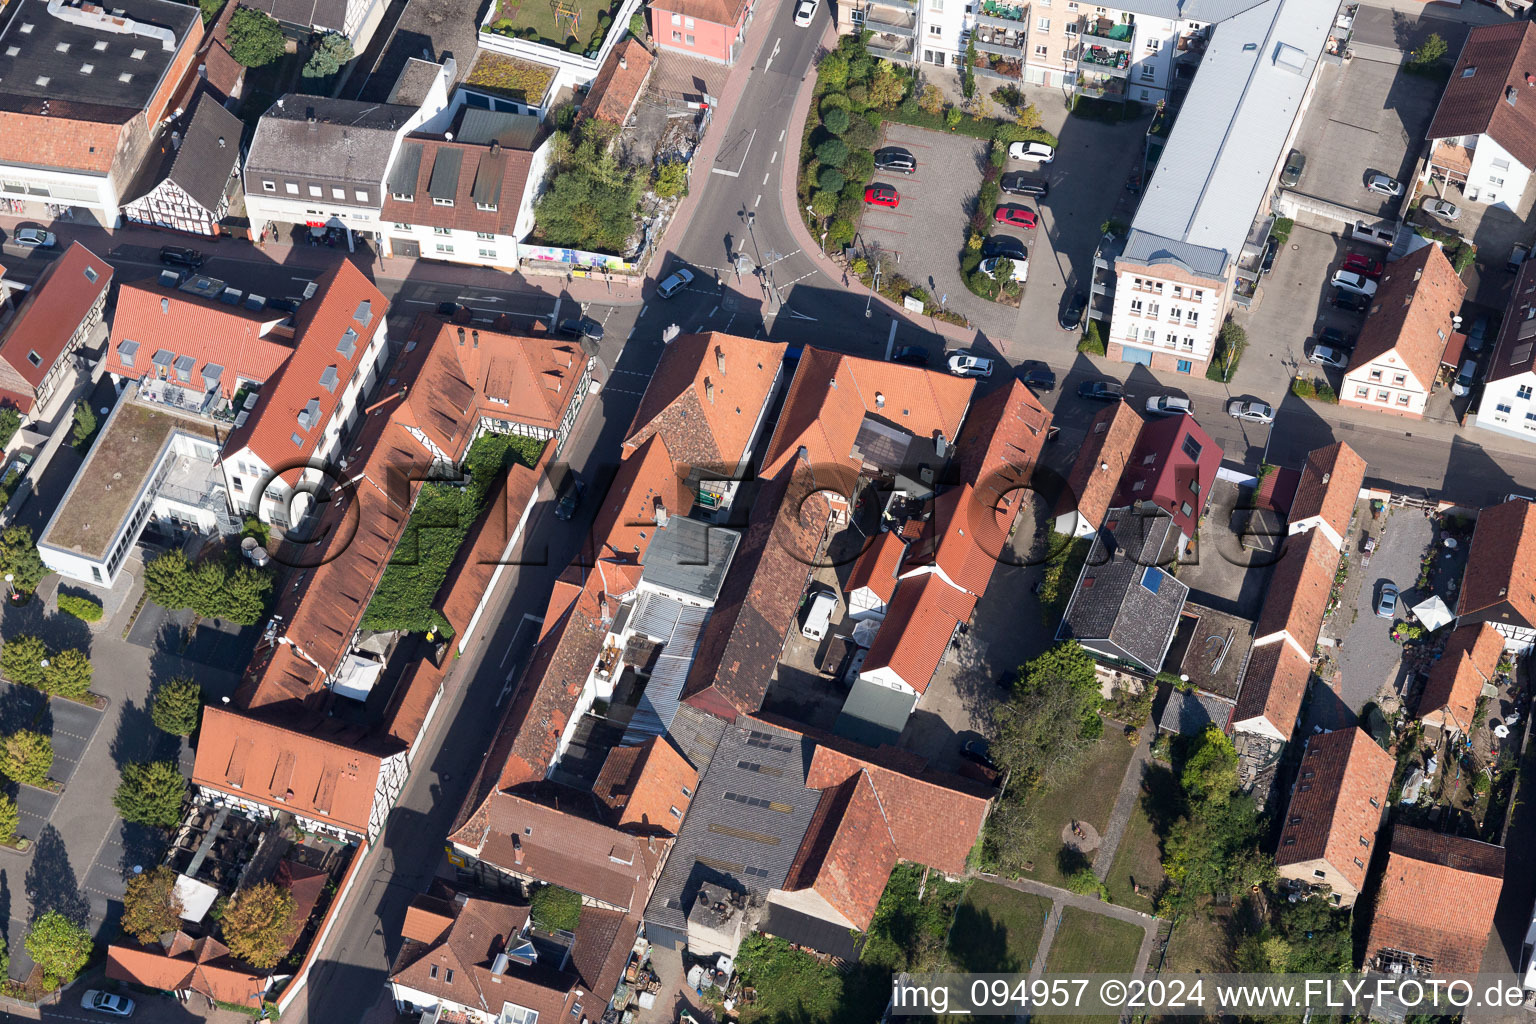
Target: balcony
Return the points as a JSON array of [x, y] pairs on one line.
[[1002, 69], [1108, 34], [906, 6], [887, 48], [890, 25], [1102, 87], [1004, 42], [1097, 60], [1002, 14]]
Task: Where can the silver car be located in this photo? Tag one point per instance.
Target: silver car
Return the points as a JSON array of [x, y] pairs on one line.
[[1322, 355], [107, 1002], [1170, 405], [35, 238], [1387, 606], [1251, 412], [680, 279], [1384, 185], [1442, 208]]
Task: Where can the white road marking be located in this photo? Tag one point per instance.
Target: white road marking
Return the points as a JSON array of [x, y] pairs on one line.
[[413, 302], [737, 172], [765, 178], [643, 311], [714, 311], [775, 158], [781, 134], [631, 334], [759, 199]]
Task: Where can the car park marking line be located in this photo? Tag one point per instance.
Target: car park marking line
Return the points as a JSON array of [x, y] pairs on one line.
[[737, 172]]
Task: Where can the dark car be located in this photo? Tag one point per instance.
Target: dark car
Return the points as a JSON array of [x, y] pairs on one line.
[[1336, 339], [1071, 316], [569, 497], [1101, 390], [978, 752], [912, 355], [1018, 183], [284, 304], [180, 256], [1004, 245], [893, 159], [1271, 247], [448, 309], [581, 327], [1040, 377], [1354, 302]]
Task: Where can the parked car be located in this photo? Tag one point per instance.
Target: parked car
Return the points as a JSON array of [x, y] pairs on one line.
[[1442, 208], [448, 309], [1071, 316], [911, 355], [581, 327], [1271, 249], [107, 1002], [1465, 378], [1039, 377], [1295, 164], [1517, 256], [1354, 302], [963, 364], [1251, 411], [893, 159], [1322, 355], [1336, 339], [1020, 267], [35, 238], [1477, 334], [1349, 280], [180, 256], [1004, 245], [1170, 405], [978, 752], [1384, 185], [1035, 152], [679, 279], [1387, 606], [805, 10], [1017, 183], [1360, 263], [882, 195], [1101, 390], [1019, 216], [568, 497]]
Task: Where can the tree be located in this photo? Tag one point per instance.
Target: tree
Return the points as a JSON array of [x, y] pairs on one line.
[[21, 661], [217, 589], [26, 757], [210, 9], [830, 179], [931, 100], [1215, 850], [1054, 713], [555, 909], [19, 558], [256, 924], [637, 25], [968, 76], [69, 674], [1002, 270], [177, 705], [150, 905], [887, 88], [1210, 770], [591, 200], [168, 579], [255, 39], [952, 118], [330, 52], [672, 179], [85, 425], [10, 820], [835, 120], [832, 72], [58, 946], [1429, 52], [832, 153], [10, 422], [151, 793], [824, 203]]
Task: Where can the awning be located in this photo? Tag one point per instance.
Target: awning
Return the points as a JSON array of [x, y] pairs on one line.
[[1453, 348], [1433, 613]]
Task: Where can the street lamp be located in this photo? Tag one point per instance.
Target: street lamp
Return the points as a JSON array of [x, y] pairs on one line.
[[10, 593], [869, 301]]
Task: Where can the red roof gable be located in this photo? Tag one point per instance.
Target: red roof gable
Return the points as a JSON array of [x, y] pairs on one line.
[[1096, 473], [917, 627], [53, 310], [1174, 466], [1470, 658], [1501, 564], [877, 567], [643, 785], [1437, 900], [1332, 816], [1329, 487], [618, 84], [848, 852]]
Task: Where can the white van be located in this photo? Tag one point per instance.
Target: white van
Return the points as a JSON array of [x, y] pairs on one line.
[[1465, 378], [818, 615]]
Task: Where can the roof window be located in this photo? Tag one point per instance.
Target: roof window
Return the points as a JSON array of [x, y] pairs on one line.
[[86, 69], [11, 51], [137, 54], [26, 29], [100, 46], [1468, 72], [43, 80], [125, 78], [62, 47]]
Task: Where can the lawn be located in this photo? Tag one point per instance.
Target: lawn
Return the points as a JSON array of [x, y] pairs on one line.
[[1087, 795], [997, 929], [791, 985], [579, 30], [1139, 857], [1200, 942], [521, 80], [1089, 943]]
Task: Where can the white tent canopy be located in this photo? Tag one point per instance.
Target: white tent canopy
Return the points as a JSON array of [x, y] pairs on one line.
[[1433, 613]]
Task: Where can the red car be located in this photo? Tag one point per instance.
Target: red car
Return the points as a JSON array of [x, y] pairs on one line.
[[882, 195], [1019, 216], [1362, 264]]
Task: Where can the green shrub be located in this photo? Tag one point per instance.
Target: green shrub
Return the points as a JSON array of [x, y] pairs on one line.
[[858, 97], [1302, 387], [832, 153], [824, 204], [830, 179], [555, 909], [952, 118], [26, 757], [860, 166], [861, 135], [87, 609], [835, 120], [10, 422], [840, 233], [177, 705], [1230, 342], [58, 946], [1325, 392], [833, 101], [1092, 342], [1282, 229], [672, 180]]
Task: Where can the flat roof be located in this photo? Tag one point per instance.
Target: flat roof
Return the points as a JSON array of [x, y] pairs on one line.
[[689, 557], [114, 474], [1216, 168]]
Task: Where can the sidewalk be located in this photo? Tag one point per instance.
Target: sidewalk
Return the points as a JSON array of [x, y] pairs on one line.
[[1125, 803], [1061, 898]]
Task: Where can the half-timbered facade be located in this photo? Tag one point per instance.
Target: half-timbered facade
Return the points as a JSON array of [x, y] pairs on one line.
[[185, 182]]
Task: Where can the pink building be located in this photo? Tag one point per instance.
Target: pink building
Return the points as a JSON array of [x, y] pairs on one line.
[[711, 29]]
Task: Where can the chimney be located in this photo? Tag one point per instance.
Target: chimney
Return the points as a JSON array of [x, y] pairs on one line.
[[476, 339], [879, 400], [461, 337], [709, 390], [720, 360], [517, 849], [1530, 79], [495, 147], [221, 142], [623, 64], [659, 511]]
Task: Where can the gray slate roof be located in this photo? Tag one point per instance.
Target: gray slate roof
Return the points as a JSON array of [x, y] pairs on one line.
[[689, 557], [319, 14], [1188, 714], [746, 847], [1122, 596], [349, 142], [874, 714], [156, 30], [210, 149], [1231, 131]]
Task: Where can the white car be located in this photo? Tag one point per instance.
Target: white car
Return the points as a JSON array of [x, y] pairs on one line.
[[1033, 152], [805, 10], [1322, 355], [1170, 405], [1442, 208], [107, 1002], [1353, 282], [1384, 185], [963, 364], [35, 238], [680, 279], [1252, 412], [989, 267]]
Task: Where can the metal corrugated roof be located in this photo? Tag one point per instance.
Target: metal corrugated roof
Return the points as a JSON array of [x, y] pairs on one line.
[[689, 557], [479, 127], [874, 714], [402, 176], [677, 626], [444, 183]]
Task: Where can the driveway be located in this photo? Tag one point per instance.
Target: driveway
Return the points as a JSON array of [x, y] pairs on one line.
[[927, 231]]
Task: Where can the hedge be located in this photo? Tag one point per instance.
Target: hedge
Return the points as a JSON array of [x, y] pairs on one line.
[[85, 608]]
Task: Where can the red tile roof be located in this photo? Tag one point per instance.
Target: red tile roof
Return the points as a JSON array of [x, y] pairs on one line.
[[69, 136], [917, 628], [524, 378], [306, 765], [1410, 316], [1162, 470], [1096, 473], [1471, 656], [507, 164], [1329, 487], [643, 784], [1331, 815], [1512, 352], [306, 885], [203, 965], [998, 448], [963, 539], [832, 394], [60, 300], [1501, 565], [720, 12], [1273, 687], [1297, 596], [647, 487], [1437, 899], [336, 312], [705, 398], [241, 340], [877, 567], [848, 851], [619, 84], [1502, 57]]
